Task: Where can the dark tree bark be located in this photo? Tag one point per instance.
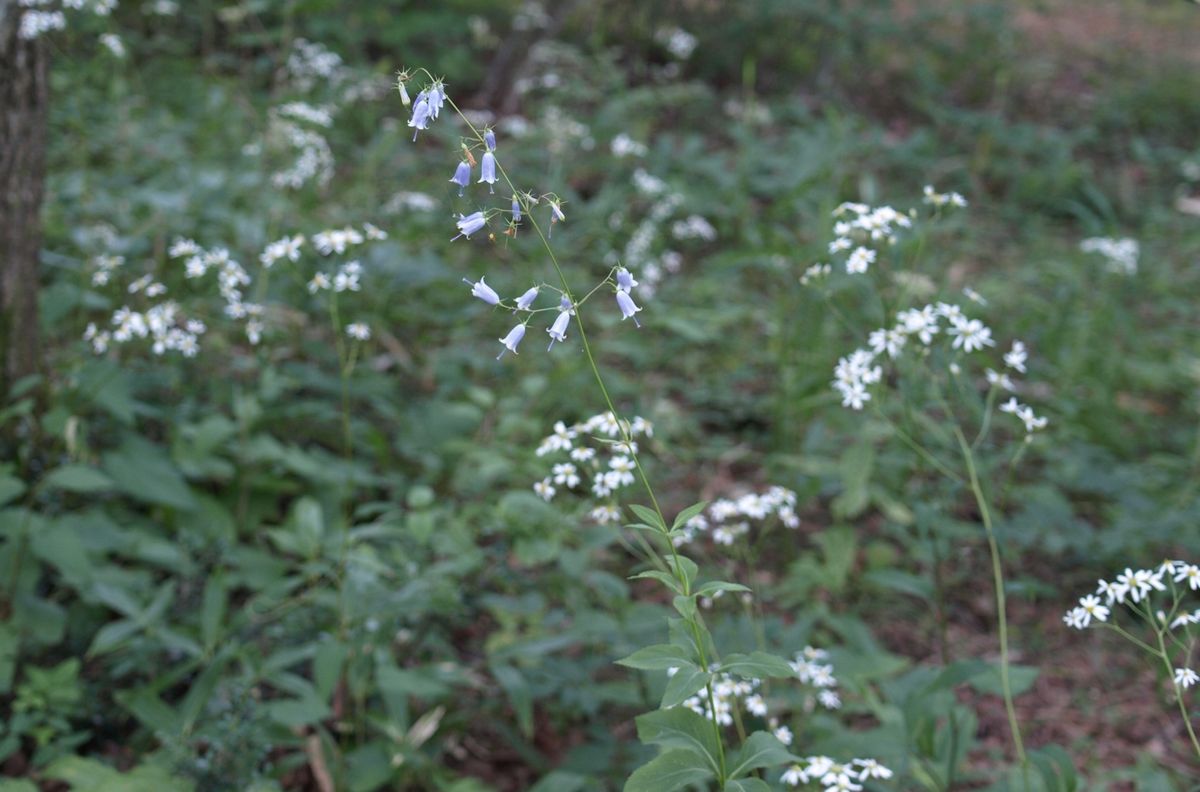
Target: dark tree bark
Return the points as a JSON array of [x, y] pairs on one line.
[[23, 98]]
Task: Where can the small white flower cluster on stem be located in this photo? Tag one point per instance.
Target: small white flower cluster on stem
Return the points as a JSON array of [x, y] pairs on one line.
[[834, 776], [1158, 597], [856, 372], [860, 229], [811, 671], [1121, 255], [938, 200], [601, 468], [727, 519]]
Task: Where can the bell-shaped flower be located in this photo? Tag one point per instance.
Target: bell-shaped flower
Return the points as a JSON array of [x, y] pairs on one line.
[[556, 214], [487, 170], [462, 176], [558, 330], [437, 98], [526, 299], [489, 139], [511, 340], [421, 115], [516, 209], [483, 291], [469, 224], [625, 281], [404, 98], [628, 309]]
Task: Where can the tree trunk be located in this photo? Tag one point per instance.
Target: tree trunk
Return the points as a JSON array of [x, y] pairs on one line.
[[23, 98]]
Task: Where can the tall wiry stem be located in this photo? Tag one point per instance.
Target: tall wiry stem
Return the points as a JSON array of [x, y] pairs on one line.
[[676, 566]]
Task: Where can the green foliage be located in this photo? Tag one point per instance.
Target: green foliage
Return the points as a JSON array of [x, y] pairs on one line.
[[202, 588]]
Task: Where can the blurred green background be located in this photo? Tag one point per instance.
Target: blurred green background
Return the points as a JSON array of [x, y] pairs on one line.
[[202, 591]]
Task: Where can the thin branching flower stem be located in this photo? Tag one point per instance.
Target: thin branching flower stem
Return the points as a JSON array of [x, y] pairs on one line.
[[1187, 720], [676, 566]]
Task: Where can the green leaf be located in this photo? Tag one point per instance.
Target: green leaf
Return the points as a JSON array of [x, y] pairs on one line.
[[1021, 678], [688, 513], [10, 488], [665, 578], [142, 470], [327, 666], [679, 727], [683, 567], [683, 685], [686, 606], [212, 612], [903, 582], [746, 785], [762, 749], [708, 589], [667, 772], [9, 645], [520, 696], [658, 657], [77, 478], [757, 665], [648, 516]]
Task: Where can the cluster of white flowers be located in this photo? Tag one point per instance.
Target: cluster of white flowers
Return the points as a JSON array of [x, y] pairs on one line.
[[859, 229], [814, 273], [678, 41], [811, 671], [637, 252], [288, 247], [339, 240], [937, 199], [408, 201], [162, 323], [625, 146], [602, 468], [310, 63], [726, 519], [694, 227], [857, 371], [43, 16], [834, 776], [313, 161], [1121, 255], [104, 266], [1135, 589], [730, 692], [1132, 587]]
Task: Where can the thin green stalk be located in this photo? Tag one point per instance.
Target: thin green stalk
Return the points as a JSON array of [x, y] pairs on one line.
[[1187, 720], [677, 568], [998, 582]]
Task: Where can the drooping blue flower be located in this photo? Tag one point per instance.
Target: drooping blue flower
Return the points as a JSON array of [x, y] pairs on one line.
[[489, 139], [625, 281], [469, 224], [556, 215], [437, 98], [511, 340], [483, 291], [516, 209], [421, 114], [627, 306], [487, 170], [558, 330], [462, 176], [526, 299]]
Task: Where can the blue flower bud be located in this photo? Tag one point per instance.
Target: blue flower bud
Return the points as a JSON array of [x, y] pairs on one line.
[[511, 340], [437, 98], [487, 170], [526, 299], [489, 138], [462, 176], [483, 291], [625, 281], [516, 210], [628, 309], [469, 224]]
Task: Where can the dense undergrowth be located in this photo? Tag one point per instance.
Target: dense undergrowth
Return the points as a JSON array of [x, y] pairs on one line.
[[303, 558]]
